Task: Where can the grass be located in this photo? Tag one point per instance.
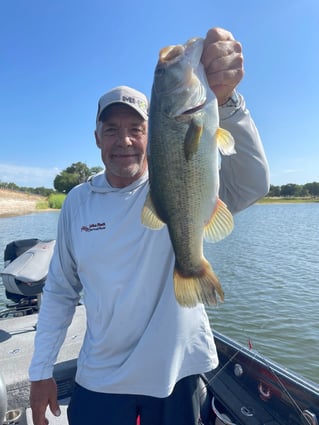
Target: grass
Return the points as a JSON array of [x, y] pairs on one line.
[[54, 201], [42, 205], [287, 200]]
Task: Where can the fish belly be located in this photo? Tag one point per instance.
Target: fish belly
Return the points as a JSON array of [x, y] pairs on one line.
[[184, 194]]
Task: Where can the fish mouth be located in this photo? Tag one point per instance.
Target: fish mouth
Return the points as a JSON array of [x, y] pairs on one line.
[[195, 109], [171, 53], [181, 62]]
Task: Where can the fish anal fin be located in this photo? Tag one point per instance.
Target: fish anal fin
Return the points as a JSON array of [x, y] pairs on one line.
[[149, 215], [221, 223], [200, 288], [192, 138], [225, 142]]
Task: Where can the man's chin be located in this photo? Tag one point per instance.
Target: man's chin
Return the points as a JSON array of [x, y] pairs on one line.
[[128, 171]]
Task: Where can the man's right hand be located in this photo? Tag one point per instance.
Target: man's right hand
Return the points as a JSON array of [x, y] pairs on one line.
[[42, 394]]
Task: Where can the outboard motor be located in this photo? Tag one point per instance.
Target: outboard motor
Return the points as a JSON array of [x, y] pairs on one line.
[[3, 400], [26, 267]]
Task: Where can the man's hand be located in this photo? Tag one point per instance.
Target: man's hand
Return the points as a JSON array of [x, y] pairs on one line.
[[223, 62], [42, 394]]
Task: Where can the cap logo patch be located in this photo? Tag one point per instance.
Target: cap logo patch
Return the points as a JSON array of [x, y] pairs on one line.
[[140, 103]]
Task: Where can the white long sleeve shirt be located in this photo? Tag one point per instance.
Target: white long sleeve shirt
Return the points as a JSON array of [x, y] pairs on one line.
[[138, 340]]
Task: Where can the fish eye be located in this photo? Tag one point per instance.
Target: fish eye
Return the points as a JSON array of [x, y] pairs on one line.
[[159, 72]]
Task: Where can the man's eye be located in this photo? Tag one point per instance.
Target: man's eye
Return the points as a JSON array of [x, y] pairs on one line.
[[111, 131], [137, 131]]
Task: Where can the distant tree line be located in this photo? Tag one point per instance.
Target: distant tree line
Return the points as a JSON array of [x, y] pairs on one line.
[[73, 175], [79, 172], [295, 190], [43, 191]]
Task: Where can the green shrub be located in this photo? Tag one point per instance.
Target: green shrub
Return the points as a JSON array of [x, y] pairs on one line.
[[42, 205], [56, 200]]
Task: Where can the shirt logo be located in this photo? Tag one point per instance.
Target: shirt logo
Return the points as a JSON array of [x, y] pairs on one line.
[[93, 226]]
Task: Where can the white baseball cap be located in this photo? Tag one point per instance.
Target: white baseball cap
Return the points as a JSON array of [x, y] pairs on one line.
[[126, 95]]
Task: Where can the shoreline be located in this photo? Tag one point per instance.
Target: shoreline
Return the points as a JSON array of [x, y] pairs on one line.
[[14, 204], [24, 211], [279, 200]]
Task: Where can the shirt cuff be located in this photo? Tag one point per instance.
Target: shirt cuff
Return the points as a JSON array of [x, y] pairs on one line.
[[233, 104]]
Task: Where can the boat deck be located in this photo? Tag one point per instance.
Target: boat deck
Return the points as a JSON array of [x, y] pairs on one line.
[[246, 387], [16, 347]]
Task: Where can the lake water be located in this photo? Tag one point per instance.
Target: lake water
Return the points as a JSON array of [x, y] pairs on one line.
[[269, 270]]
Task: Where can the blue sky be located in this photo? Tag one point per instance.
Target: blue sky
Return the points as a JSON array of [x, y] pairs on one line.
[[59, 56]]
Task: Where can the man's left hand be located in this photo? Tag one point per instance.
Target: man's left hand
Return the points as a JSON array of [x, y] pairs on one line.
[[223, 62]]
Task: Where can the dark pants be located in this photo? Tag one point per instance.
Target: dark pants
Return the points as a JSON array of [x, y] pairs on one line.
[[182, 407]]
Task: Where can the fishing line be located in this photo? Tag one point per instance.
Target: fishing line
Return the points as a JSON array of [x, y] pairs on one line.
[[285, 390], [254, 353], [281, 384], [207, 382]]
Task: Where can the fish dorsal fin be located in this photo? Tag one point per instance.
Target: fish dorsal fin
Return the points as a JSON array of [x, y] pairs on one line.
[[149, 215], [225, 142], [221, 223], [192, 138]]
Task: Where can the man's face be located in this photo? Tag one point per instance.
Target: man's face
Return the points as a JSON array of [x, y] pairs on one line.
[[122, 138]]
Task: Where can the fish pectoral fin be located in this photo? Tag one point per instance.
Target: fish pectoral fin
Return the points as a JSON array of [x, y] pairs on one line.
[[192, 138], [200, 288], [221, 223], [225, 142], [149, 215]]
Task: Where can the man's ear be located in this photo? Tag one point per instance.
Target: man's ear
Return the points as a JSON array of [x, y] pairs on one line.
[[97, 139]]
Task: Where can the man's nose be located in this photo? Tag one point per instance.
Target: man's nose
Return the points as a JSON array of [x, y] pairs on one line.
[[124, 137]]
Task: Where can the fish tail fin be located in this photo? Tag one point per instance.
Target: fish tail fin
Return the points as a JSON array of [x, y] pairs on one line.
[[200, 288]]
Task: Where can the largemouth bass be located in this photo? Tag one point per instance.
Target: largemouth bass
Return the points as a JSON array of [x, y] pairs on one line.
[[184, 139]]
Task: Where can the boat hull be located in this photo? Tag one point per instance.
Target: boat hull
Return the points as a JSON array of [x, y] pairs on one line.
[[246, 388]]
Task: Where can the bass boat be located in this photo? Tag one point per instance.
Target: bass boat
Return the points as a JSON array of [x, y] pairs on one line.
[[246, 388]]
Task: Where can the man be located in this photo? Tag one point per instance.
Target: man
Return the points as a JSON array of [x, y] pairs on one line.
[[142, 352]]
